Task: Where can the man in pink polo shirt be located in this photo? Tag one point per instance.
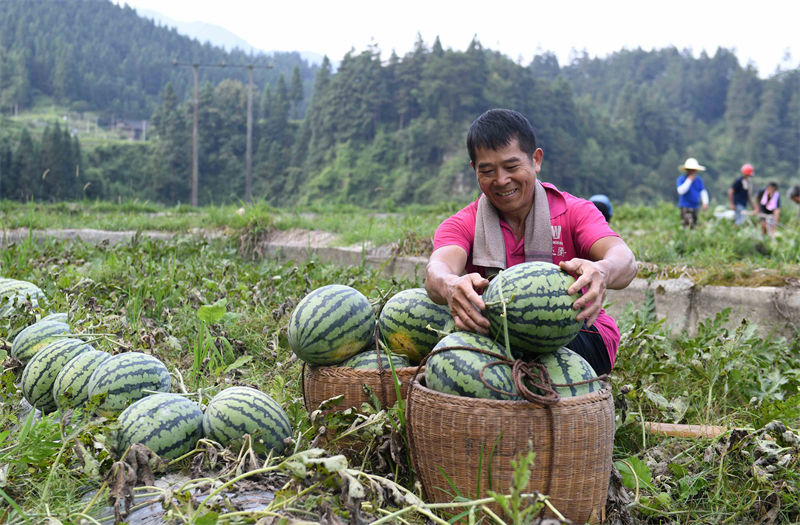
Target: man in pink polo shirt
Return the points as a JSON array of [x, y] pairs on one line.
[[502, 150]]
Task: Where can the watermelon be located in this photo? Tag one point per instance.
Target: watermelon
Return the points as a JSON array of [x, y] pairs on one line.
[[124, 378], [369, 360], [565, 366], [61, 317], [331, 324], [37, 336], [539, 310], [41, 371], [71, 387], [13, 290], [168, 424], [241, 410], [404, 321], [457, 372]]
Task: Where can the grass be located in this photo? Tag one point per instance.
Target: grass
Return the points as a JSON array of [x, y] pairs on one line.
[[46, 112], [217, 317], [714, 253]]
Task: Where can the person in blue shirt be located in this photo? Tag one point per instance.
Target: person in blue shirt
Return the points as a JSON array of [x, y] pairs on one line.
[[692, 192]]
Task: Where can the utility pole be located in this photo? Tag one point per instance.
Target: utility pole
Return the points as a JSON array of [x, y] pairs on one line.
[[248, 160]]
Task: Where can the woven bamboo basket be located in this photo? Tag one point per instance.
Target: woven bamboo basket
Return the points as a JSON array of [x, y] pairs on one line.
[[324, 382], [573, 441]]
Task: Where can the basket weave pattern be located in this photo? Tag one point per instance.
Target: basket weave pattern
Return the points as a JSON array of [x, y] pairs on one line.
[[324, 382], [573, 441]]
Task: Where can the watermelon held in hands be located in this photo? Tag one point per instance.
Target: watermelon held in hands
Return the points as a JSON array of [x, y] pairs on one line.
[[241, 410], [411, 323], [36, 336], [330, 324], [538, 308], [565, 366], [125, 378], [41, 371], [168, 424], [458, 371]]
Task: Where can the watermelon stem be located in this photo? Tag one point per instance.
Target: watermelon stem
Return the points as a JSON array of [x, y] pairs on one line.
[[401, 403], [505, 318]]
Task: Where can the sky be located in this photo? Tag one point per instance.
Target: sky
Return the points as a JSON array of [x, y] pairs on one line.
[[762, 33]]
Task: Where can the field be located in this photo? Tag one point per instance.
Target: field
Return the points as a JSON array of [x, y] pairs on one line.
[[217, 316]]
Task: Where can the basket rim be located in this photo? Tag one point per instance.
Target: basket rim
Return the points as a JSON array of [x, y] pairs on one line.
[[346, 371], [592, 397]]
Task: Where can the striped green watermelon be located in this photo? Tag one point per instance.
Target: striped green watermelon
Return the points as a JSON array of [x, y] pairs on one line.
[[404, 321], [125, 378], [565, 366], [13, 292], [457, 372], [71, 387], [369, 360], [331, 324], [41, 371], [539, 310], [36, 336], [61, 317], [243, 410], [168, 424]]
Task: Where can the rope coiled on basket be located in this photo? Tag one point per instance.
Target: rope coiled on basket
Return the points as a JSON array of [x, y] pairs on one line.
[[528, 377]]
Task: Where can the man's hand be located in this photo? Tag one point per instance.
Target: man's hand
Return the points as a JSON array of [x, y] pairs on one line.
[[465, 303], [592, 277]]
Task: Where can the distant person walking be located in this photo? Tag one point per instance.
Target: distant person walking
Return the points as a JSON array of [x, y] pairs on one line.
[[691, 192], [769, 208], [739, 195], [603, 204]]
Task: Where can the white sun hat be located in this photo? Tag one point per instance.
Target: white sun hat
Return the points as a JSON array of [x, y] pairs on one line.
[[691, 164]]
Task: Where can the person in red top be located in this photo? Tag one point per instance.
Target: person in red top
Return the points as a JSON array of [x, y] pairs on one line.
[[502, 150]]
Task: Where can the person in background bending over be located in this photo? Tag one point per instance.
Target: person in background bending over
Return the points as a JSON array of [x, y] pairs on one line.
[[691, 192], [604, 205], [517, 219], [739, 195], [769, 208]]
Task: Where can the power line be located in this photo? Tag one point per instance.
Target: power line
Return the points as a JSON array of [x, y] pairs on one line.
[[248, 177]]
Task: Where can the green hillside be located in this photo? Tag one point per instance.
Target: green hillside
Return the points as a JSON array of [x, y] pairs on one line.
[[373, 132]]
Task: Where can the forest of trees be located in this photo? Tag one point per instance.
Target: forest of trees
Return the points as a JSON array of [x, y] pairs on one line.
[[375, 132]]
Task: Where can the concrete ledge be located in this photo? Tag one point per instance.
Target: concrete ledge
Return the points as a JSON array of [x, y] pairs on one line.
[[776, 311]]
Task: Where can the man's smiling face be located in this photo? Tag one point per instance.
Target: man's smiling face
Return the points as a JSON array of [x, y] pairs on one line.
[[507, 176]]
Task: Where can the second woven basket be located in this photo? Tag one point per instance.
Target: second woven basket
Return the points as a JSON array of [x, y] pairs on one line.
[[324, 382]]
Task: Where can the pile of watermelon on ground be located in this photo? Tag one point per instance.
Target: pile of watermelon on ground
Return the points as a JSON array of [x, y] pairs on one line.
[[63, 370], [332, 326]]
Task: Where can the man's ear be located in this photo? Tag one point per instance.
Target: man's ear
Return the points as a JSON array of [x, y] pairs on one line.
[[472, 165], [536, 159]]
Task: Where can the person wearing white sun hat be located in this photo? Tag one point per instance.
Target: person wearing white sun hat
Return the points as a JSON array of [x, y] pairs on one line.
[[692, 192]]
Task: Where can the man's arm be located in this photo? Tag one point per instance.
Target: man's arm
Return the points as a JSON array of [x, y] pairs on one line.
[[684, 186], [612, 266], [730, 197], [446, 285]]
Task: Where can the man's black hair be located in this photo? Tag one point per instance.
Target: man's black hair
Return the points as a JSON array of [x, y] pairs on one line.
[[496, 129]]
